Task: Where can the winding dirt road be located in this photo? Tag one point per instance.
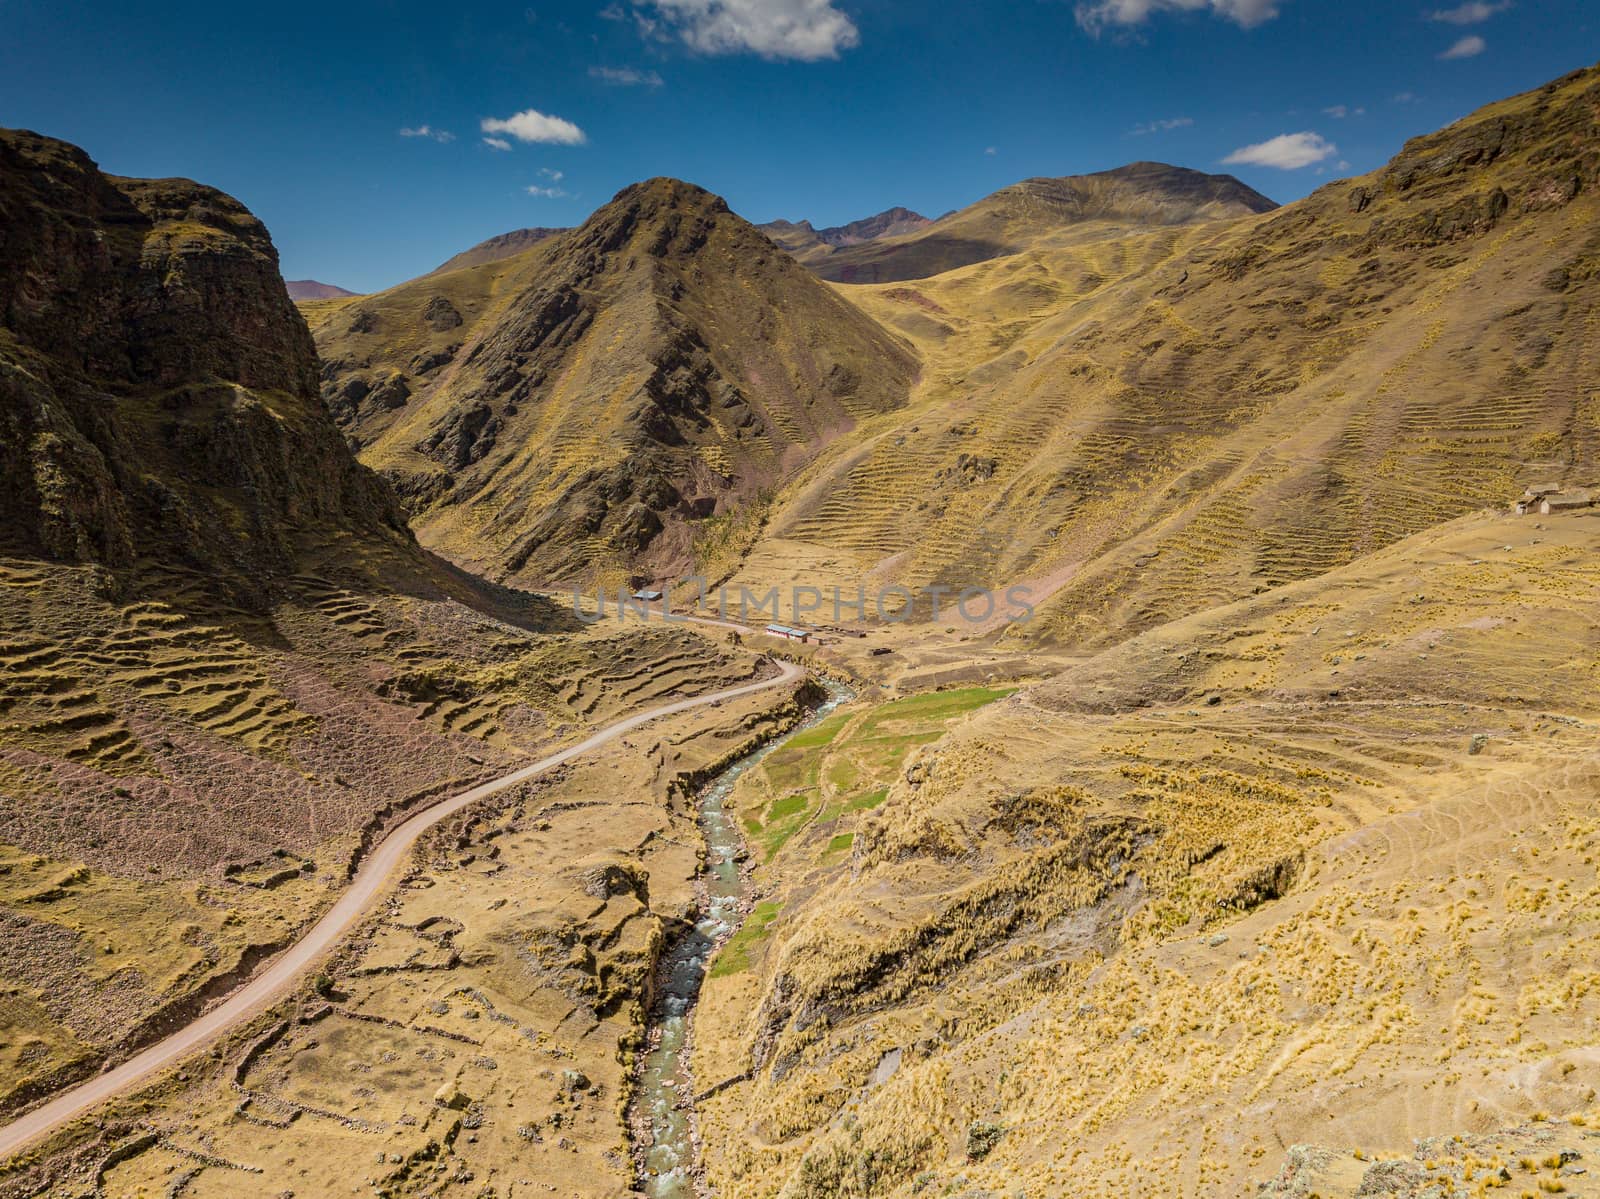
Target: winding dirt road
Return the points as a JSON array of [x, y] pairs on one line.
[[286, 969]]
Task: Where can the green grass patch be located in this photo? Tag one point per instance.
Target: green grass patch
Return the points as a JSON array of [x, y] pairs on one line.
[[735, 955], [797, 763], [855, 803], [843, 774], [783, 819], [858, 765], [840, 843], [865, 803], [823, 734], [789, 805], [933, 706]]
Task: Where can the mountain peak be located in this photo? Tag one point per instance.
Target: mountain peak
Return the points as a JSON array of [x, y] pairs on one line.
[[665, 192], [692, 364], [811, 245]]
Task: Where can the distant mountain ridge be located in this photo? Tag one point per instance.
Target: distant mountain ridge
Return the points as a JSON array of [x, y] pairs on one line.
[[502, 245], [1139, 194], [810, 244], [310, 289]]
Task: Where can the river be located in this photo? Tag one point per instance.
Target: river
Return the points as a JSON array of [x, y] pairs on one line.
[[663, 1099]]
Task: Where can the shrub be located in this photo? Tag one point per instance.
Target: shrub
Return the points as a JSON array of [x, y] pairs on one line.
[[982, 1136]]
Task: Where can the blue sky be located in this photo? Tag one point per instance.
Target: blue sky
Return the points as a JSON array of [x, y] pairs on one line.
[[825, 109]]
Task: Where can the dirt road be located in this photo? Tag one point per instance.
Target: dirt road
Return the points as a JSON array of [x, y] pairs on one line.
[[288, 968]]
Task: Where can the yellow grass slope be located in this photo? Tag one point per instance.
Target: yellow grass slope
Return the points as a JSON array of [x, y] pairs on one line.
[[1151, 425], [1316, 867]]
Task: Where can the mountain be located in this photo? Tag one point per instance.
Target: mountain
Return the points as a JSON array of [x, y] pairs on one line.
[[618, 397], [158, 390], [1144, 426], [1297, 840], [226, 667], [1141, 194], [1262, 861], [504, 245], [810, 245], [1248, 865], [310, 289]]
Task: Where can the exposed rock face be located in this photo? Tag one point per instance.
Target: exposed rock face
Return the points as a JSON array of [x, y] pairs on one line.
[[158, 390], [582, 407]]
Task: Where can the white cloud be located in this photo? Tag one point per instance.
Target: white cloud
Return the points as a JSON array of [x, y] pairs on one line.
[[1469, 14], [1097, 15], [531, 126], [1163, 126], [805, 30], [429, 132], [1467, 47], [1286, 152], [625, 76], [546, 193], [991, 151], [1405, 98], [497, 143], [1340, 111], [552, 174]]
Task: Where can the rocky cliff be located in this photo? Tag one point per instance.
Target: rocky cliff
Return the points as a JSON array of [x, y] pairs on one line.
[[158, 390]]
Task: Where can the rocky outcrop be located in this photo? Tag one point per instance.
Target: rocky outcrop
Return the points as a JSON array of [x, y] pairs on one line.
[[158, 389]]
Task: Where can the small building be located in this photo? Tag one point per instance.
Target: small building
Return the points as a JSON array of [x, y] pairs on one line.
[[1565, 501], [648, 597], [1534, 497], [788, 633]]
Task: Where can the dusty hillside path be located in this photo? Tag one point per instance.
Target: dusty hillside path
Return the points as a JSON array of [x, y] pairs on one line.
[[290, 966]]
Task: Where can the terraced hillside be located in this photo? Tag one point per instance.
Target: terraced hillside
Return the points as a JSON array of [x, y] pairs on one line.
[[596, 404], [478, 1028], [1316, 867], [184, 790], [1145, 426], [225, 666], [1105, 204]]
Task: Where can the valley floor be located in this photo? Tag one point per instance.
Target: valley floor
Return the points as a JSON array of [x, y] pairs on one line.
[[1314, 870]]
